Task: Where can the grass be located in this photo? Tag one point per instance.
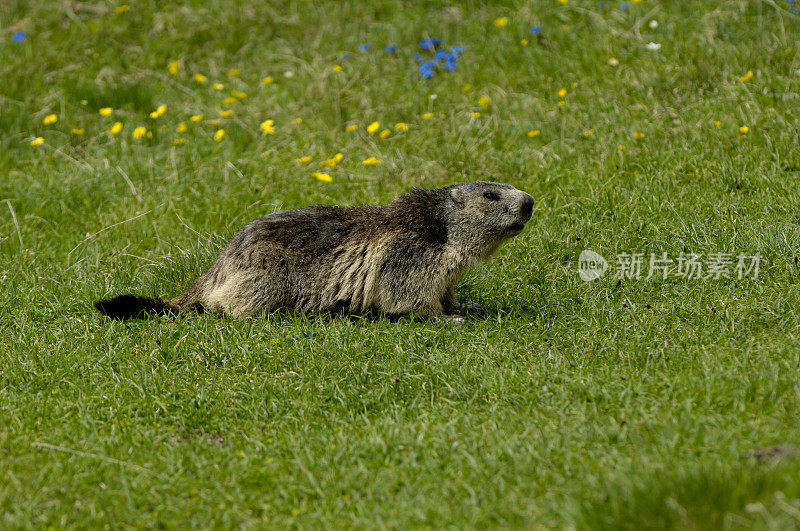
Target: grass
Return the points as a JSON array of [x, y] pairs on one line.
[[564, 404]]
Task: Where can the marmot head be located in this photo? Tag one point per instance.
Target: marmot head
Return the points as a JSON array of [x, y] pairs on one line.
[[484, 214]]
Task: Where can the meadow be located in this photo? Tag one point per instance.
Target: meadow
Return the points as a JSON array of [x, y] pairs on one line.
[[135, 138]]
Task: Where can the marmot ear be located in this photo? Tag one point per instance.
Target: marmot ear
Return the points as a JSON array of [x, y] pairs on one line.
[[457, 195]]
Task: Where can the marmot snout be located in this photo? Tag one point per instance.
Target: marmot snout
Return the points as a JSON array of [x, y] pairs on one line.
[[403, 257]]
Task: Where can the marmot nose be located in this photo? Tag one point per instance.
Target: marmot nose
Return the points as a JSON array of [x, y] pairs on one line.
[[526, 209]]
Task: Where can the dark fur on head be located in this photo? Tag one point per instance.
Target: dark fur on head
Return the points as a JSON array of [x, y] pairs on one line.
[[399, 258]]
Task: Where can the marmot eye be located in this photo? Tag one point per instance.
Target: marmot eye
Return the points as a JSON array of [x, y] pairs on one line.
[[491, 196]]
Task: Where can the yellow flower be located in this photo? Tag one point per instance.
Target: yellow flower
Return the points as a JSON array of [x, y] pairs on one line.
[[106, 111], [116, 128], [337, 68], [613, 61], [717, 123], [173, 67], [562, 92], [501, 22], [215, 123], [747, 77], [218, 86], [351, 127], [484, 102], [338, 157], [230, 100], [225, 113], [374, 126], [149, 134], [744, 129], [324, 177], [563, 1], [267, 127], [372, 161], [139, 132], [219, 135], [181, 128], [427, 116], [466, 88], [267, 80], [297, 121], [561, 103], [621, 147], [178, 141], [636, 1], [238, 94], [304, 160], [121, 9], [534, 133], [234, 72], [400, 127], [638, 135], [196, 118], [476, 114], [385, 133], [158, 112], [77, 131], [200, 78], [50, 119], [524, 42], [38, 141], [588, 132]]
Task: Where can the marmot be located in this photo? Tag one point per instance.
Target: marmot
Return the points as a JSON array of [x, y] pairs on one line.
[[403, 257]]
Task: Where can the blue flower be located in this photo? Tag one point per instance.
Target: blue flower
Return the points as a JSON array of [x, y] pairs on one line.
[[447, 61], [19, 36], [390, 49], [345, 56], [790, 1], [602, 3], [426, 69], [429, 43], [536, 30], [364, 47], [623, 7], [793, 10]]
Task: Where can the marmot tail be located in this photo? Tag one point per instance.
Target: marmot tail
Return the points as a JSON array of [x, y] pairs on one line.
[[126, 307]]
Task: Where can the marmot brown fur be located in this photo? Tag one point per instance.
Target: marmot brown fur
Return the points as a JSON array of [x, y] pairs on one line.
[[403, 257]]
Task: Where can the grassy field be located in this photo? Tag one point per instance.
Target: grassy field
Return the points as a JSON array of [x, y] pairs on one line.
[[617, 403]]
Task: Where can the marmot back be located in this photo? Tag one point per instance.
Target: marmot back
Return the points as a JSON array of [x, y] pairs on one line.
[[403, 257]]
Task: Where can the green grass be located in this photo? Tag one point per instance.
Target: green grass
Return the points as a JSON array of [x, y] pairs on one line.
[[563, 404]]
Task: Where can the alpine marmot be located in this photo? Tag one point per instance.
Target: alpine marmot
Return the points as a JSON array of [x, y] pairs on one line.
[[403, 257]]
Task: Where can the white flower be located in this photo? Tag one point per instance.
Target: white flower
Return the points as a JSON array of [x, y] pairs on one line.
[[653, 46], [288, 73], [653, 24]]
